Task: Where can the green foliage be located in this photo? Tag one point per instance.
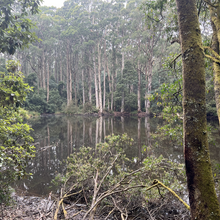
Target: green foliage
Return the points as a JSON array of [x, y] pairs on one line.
[[37, 103], [124, 83], [72, 109], [31, 79], [15, 139], [106, 168], [15, 27], [169, 99], [89, 108], [61, 87]]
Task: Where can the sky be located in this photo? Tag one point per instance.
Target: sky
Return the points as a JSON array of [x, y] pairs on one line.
[[56, 3]]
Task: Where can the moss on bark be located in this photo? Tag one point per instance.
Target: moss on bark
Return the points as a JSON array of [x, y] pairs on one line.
[[202, 195]]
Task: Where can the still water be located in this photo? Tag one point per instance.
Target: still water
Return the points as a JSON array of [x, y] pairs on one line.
[[56, 137]]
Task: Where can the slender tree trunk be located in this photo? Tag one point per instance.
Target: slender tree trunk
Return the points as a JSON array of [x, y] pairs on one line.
[[100, 129], [71, 138], [96, 131], [56, 66], [99, 80], [61, 75], [90, 87], [96, 85], [70, 79], [202, 195], [104, 87], [139, 140], [75, 82], [113, 74], [41, 73], [112, 93], [38, 78], [109, 81], [139, 88], [67, 77], [83, 87], [84, 131], [123, 93], [48, 81], [43, 70], [148, 85]]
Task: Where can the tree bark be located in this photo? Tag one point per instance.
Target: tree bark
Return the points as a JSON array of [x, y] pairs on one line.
[[61, 76], [67, 76], [70, 79], [202, 195], [90, 88], [139, 88], [96, 86], [48, 81], [83, 87], [148, 85], [104, 82], [43, 70], [123, 93], [99, 80], [109, 81]]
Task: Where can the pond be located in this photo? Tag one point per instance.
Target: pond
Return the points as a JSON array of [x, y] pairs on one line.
[[56, 137]]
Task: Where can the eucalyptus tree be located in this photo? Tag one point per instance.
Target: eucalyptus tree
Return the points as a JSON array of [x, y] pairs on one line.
[[137, 30], [202, 195], [71, 37]]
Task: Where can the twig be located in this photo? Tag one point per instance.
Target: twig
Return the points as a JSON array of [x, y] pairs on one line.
[[158, 182], [85, 197], [61, 202], [110, 213], [77, 213]]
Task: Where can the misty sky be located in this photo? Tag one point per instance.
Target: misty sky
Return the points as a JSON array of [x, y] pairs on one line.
[[56, 3]]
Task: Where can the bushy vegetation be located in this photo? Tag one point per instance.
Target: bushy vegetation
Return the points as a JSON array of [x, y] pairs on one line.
[[103, 177], [15, 139]]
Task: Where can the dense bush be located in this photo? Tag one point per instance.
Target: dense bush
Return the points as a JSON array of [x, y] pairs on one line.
[[105, 176], [15, 139]]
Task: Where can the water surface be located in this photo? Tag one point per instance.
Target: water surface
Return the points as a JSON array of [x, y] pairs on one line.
[[57, 136]]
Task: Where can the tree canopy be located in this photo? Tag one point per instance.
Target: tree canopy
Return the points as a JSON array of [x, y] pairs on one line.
[[15, 26]]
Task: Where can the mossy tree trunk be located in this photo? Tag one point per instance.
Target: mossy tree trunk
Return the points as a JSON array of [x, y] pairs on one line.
[[202, 195]]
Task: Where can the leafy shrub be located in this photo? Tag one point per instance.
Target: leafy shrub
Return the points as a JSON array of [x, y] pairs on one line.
[[71, 109], [104, 176], [15, 139], [89, 108]]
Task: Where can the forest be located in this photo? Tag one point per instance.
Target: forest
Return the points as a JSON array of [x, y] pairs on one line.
[[96, 57], [145, 58]]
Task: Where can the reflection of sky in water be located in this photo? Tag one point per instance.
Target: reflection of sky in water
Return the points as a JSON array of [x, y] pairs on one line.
[[58, 136]]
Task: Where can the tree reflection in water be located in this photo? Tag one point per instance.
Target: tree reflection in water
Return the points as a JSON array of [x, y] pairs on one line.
[[58, 136]]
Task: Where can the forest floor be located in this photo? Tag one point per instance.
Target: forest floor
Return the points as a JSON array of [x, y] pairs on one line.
[[31, 208]]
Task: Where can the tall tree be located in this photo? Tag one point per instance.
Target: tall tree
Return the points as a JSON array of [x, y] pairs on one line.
[[202, 195]]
